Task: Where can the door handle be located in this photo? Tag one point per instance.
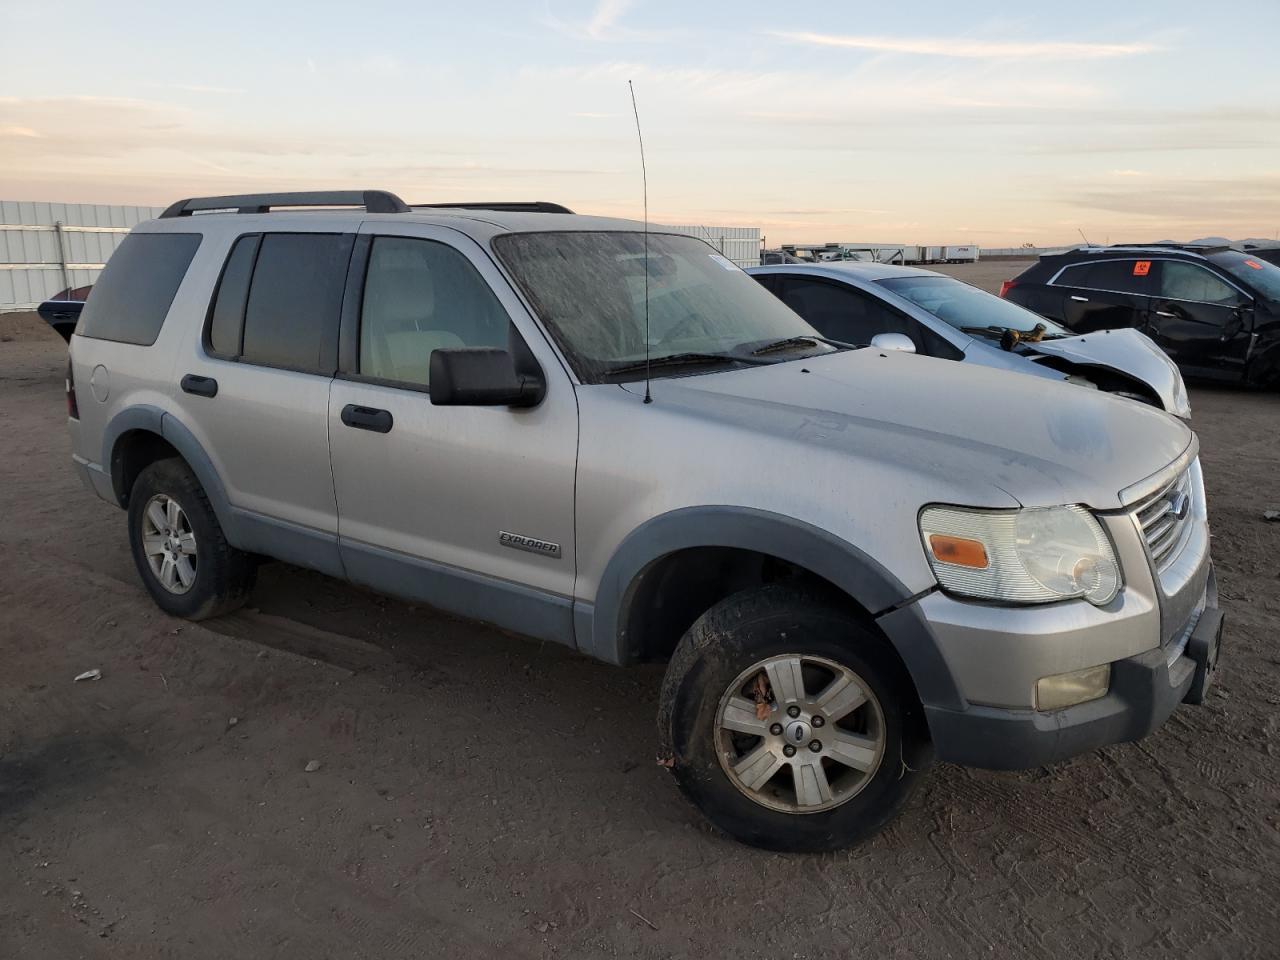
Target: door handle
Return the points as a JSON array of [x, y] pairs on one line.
[[200, 386], [1165, 313], [367, 418], [1079, 299]]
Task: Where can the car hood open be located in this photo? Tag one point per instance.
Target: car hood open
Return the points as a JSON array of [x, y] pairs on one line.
[[974, 428], [1125, 351]]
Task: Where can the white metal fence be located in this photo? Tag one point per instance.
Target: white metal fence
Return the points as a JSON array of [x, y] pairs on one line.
[[739, 244], [46, 248]]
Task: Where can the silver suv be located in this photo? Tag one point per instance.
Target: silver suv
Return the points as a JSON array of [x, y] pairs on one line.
[[852, 559]]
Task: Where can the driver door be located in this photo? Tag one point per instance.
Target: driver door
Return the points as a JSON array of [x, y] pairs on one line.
[[468, 508], [1203, 322]]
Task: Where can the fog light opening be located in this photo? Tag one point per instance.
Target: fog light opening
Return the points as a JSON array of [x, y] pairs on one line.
[[1068, 689]]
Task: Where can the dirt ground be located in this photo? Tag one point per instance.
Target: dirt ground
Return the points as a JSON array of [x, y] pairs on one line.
[[479, 795]]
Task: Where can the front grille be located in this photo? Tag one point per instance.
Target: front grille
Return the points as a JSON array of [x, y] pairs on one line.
[[1166, 521]]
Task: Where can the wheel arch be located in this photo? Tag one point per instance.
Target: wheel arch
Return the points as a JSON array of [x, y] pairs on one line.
[[615, 628], [138, 436]]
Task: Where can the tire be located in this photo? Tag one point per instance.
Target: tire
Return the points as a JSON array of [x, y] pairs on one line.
[[210, 577], [780, 625]]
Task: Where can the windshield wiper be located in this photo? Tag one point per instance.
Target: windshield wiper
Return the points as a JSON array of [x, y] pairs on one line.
[[789, 343], [684, 359]]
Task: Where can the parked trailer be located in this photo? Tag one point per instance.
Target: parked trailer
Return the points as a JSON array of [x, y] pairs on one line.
[[961, 253], [930, 254]]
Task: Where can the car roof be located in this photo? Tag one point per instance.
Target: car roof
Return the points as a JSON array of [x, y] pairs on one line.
[[479, 224], [847, 270], [1151, 249]]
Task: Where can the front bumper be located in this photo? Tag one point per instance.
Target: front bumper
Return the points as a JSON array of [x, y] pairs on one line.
[[1145, 689]]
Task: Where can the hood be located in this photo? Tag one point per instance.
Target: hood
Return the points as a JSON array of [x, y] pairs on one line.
[[966, 429], [1128, 352]]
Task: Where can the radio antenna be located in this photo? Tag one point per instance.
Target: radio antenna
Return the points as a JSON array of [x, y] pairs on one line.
[[1083, 237], [644, 179]]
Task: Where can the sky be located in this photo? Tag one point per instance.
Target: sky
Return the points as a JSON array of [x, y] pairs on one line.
[[999, 123]]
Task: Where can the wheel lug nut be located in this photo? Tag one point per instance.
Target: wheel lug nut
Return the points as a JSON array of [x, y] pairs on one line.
[[789, 750], [818, 721], [815, 746], [793, 711], [776, 729]]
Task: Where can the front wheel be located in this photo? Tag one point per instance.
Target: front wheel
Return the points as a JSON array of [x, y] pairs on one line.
[[791, 724]]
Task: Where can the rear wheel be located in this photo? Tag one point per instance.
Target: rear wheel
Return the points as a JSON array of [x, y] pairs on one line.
[[791, 724], [178, 547]]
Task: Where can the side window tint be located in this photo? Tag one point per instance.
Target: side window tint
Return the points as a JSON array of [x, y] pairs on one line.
[[851, 316], [295, 298], [226, 319], [132, 297], [420, 296], [833, 310], [1187, 281], [1118, 276]]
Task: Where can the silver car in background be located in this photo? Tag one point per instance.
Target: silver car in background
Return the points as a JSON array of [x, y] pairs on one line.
[[921, 311]]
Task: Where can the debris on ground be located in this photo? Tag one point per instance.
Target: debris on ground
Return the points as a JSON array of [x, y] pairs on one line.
[[94, 674], [1272, 515], [312, 766], [646, 920]]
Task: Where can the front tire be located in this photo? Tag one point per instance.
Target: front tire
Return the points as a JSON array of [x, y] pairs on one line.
[[178, 546], [789, 723]]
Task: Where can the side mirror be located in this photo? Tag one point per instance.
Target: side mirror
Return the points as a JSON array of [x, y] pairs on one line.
[[481, 377], [893, 341]]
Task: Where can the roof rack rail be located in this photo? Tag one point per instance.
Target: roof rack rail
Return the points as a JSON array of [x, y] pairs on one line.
[[505, 206], [1173, 245], [373, 201]]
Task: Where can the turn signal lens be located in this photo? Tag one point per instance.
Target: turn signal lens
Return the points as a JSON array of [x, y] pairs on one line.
[[959, 550]]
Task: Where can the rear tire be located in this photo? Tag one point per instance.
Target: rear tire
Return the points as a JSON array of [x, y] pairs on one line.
[[178, 546], [850, 768]]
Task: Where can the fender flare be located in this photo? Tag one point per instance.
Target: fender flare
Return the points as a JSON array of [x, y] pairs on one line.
[[849, 568], [152, 419]]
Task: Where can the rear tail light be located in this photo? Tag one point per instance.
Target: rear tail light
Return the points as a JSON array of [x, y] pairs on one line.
[[1006, 286], [73, 408]]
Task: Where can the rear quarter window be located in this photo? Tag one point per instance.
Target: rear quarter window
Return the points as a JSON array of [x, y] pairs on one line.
[[1115, 276], [129, 302]]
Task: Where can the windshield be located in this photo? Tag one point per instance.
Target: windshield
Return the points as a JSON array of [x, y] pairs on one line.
[[1264, 277], [968, 308], [588, 287]]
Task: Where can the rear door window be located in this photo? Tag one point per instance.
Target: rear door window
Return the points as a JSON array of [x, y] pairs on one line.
[[1116, 276], [132, 297], [294, 300], [226, 318]]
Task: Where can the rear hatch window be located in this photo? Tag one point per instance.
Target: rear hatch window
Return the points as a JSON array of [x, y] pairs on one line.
[[129, 302]]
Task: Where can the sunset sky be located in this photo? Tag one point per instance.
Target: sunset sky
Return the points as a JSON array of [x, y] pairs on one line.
[[996, 123]]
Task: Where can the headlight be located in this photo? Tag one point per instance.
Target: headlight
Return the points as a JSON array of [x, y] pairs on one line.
[[1021, 556]]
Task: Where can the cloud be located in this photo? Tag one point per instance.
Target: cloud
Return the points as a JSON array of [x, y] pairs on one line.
[[604, 25], [971, 49], [203, 88], [606, 17], [1175, 204]]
